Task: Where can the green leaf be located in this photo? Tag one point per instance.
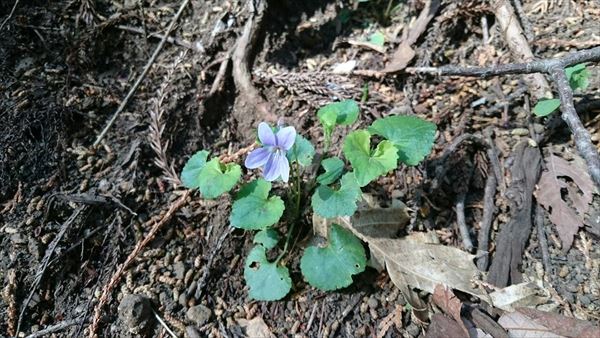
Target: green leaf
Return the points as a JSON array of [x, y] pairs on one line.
[[332, 267], [342, 113], [216, 178], [578, 76], [334, 167], [302, 151], [266, 280], [330, 203], [367, 164], [253, 209], [267, 238], [412, 136], [190, 176], [377, 38], [546, 107]]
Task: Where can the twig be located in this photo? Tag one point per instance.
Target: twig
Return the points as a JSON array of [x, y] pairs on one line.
[[46, 261], [55, 328], [143, 74], [162, 322], [542, 240], [527, 29], [535, 66], [311, 318], [196, 46], [581, 136], [12, 11], [116, 277], [489, 209], [519, 47], [462, 224], [217, 83], [555, 68]]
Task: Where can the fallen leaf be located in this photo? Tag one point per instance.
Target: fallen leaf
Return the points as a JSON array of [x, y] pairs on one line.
[[423, 262], [553, 191], [531, 323], [519, 295], [450, 304], [443, 327], [255, 328]]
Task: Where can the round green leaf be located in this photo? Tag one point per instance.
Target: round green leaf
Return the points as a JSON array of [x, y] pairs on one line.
[[367, 164], [266, 280], [302, 151], [412, 136], [546, 107], [216, 178], [190, 176], [330, 203], [578, 76], [267, 238], [253, 209], [342, 113], [334, 167], [332, 267]]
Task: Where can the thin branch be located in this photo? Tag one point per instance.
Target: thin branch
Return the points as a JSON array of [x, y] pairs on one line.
[[196, 46], [143, 74], [462, 224], [55, 328], [536, 66], [582, 138], [12, 11]]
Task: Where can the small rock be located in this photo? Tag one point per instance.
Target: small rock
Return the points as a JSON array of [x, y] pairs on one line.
[[364, 307], [413, 330], [585, 300], [572, 288], [136, 313], [520, 131], [179, 270], [564, 271], [373, 303], [199, 314], [191, 332]]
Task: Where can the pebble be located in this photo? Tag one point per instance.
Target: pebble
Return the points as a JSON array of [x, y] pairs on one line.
[[199, 314], [373, 302], [179, 270], [520, 131], [585, 300], [191, 332], [564, 271], [136, 313]]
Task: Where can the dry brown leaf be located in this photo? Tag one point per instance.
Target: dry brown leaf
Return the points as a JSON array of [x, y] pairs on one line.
[[255, 328], [450, 304], [531, 323], [423, 262], [552, 187], [443, 327], [519, 295]]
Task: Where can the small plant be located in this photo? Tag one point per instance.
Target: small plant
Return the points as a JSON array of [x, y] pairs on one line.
[[286, 158], [578, 77]]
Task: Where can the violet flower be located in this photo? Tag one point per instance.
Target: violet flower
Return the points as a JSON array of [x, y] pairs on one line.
[[272, 154]]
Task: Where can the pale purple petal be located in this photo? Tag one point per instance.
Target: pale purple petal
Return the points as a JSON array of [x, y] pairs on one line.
[[286, 137], [257, 158], [284, 168], [265, 135], [271, 170]]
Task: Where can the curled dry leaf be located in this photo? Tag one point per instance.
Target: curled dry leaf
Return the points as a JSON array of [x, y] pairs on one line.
[[554, 191], [519, 295], [531, 323]]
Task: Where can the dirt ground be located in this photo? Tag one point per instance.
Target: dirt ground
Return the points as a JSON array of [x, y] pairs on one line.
[[65, 66]]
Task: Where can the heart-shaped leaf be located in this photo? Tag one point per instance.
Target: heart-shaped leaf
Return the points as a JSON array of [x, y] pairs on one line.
[[342, 113], [367, 164], [190, 176], [266, 280], [412, 136], [253, 209], [216, 178], [332, 267], [334, 167], [329, 203]]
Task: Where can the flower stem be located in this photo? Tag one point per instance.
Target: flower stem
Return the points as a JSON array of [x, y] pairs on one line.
[[296, 213]]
